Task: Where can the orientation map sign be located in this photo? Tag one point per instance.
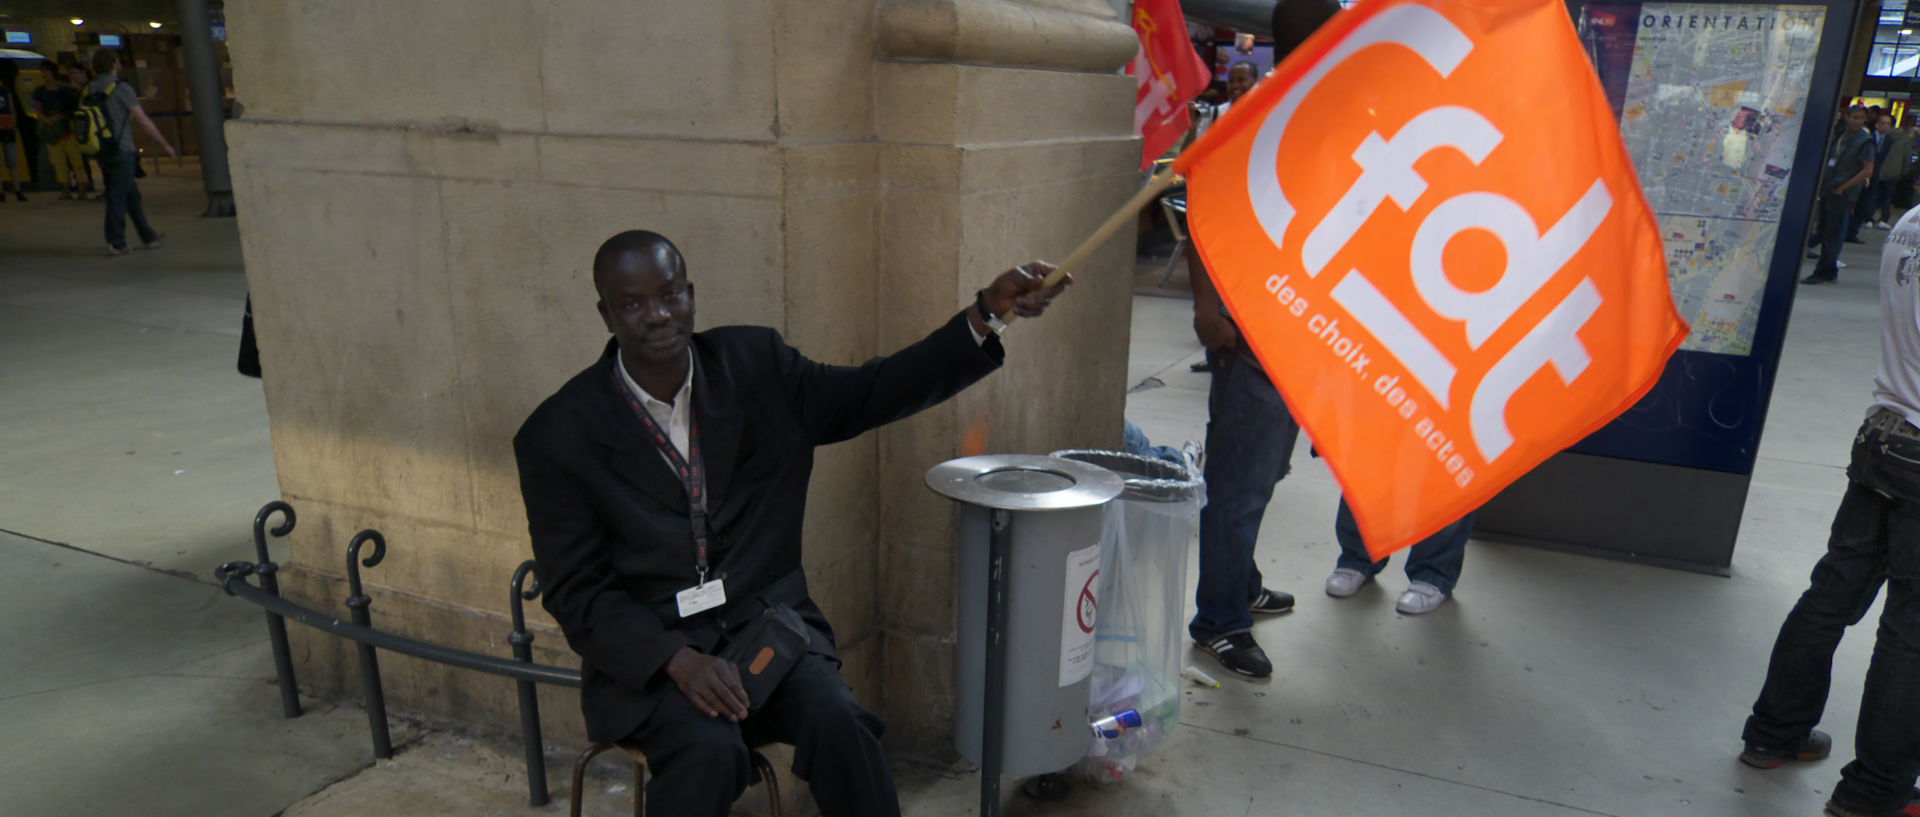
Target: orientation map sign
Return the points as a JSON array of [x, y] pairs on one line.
[[1713, 102], [1725, 108], [1711, 99]]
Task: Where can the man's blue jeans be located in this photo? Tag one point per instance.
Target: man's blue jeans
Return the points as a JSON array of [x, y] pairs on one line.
[[1135, 442], [1436, 560], [1250, 439], [123, 198], [1875, 541]]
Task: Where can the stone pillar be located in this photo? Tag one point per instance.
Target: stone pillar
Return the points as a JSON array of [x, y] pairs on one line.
[[209, 118], [1006, 134], [424, 185]]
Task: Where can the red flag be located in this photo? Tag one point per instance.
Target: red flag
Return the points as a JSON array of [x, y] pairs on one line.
[[1428, 228], [1169, 72]]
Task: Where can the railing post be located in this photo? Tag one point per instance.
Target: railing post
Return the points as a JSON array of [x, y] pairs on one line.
[[276, 625], [522, 642], [358, 602]]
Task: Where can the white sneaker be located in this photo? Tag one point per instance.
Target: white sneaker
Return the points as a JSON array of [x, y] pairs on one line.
[[1884, 226], [1420, 597], [1345, 582], [1839, 263]]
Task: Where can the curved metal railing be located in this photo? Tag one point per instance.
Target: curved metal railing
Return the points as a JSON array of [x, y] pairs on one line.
[[232, 577]]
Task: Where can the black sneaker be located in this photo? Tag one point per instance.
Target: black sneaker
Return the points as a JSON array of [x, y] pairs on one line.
[[1817, 278], [1815, 746], [1239, 653], [1272, 602]]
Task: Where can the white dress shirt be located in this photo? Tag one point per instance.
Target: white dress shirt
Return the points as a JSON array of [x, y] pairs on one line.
[[676, 417]]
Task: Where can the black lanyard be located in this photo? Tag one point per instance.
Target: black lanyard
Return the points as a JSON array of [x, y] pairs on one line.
[[690, 469]]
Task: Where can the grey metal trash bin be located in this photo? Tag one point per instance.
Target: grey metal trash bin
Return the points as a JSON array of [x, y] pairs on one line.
[[1029, 548], [1141, 640]]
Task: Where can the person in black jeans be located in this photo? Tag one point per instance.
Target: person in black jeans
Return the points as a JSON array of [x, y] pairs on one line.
[[119, 158], [1875, 541], [1848, 167]]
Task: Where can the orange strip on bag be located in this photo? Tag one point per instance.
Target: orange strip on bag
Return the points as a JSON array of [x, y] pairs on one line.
[[760, 661]]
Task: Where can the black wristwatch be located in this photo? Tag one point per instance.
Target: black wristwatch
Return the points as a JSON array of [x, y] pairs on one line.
[[993, 322]]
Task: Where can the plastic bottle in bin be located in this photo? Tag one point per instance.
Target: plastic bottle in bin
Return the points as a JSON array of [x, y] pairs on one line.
[[1112, 726]]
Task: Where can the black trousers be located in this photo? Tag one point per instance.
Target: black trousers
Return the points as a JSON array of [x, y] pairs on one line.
[[700, 764], [1835, 212], [1862, 210], [1875, 542]]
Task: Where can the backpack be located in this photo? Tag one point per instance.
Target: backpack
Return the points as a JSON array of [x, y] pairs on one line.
[[91, 127]]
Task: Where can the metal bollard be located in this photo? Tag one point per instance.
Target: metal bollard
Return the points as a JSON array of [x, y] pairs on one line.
[[522, 642], [276, 624], [358, 602]]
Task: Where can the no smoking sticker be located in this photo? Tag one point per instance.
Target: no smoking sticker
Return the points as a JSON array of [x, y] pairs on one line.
[[1080, 613]]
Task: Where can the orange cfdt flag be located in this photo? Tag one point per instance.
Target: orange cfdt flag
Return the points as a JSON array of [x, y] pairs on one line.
[[1427, 227], [1170, 74]]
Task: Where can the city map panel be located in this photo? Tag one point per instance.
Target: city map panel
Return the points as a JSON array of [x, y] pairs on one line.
[[1712, 109]]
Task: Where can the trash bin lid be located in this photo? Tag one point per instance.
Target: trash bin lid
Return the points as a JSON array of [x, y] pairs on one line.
[[1147, 478], [1024, 482]]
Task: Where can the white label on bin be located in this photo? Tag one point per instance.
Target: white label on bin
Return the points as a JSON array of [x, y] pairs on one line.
[[1079, 614]]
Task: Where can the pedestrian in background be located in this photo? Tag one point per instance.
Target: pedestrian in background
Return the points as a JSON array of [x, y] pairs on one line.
[[79, 77], [1849, 164], [1862, 213], [119, 158], [13, 116], [1890, 166], [54, 102]]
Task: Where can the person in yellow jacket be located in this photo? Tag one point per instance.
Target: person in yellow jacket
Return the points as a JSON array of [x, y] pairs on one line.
[[54, 103]]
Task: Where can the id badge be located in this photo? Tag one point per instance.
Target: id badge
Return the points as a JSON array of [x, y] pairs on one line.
[[702, 597]]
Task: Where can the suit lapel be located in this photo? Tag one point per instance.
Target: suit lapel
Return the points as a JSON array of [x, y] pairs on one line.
[[717, 412], [630, 454]]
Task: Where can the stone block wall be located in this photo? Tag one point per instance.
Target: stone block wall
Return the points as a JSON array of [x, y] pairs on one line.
[[422, 185]]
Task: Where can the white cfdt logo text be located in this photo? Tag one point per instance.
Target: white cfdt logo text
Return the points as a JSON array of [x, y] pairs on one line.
[[1534, 256]]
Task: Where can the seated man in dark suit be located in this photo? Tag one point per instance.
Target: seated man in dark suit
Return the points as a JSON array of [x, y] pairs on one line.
[[665, 488]]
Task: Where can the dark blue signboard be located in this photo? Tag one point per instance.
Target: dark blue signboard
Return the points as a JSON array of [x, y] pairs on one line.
[[1729, 157]]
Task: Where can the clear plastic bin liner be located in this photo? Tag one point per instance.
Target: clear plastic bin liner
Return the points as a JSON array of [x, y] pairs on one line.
[[1140, 638]]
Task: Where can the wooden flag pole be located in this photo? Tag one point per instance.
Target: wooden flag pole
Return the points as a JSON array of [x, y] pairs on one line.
[[1160, 182]]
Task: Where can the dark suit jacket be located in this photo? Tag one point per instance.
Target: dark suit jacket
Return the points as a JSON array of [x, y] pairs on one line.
[[609, 519]]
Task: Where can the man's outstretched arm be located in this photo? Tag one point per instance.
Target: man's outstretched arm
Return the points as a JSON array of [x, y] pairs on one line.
[[836, 403]]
